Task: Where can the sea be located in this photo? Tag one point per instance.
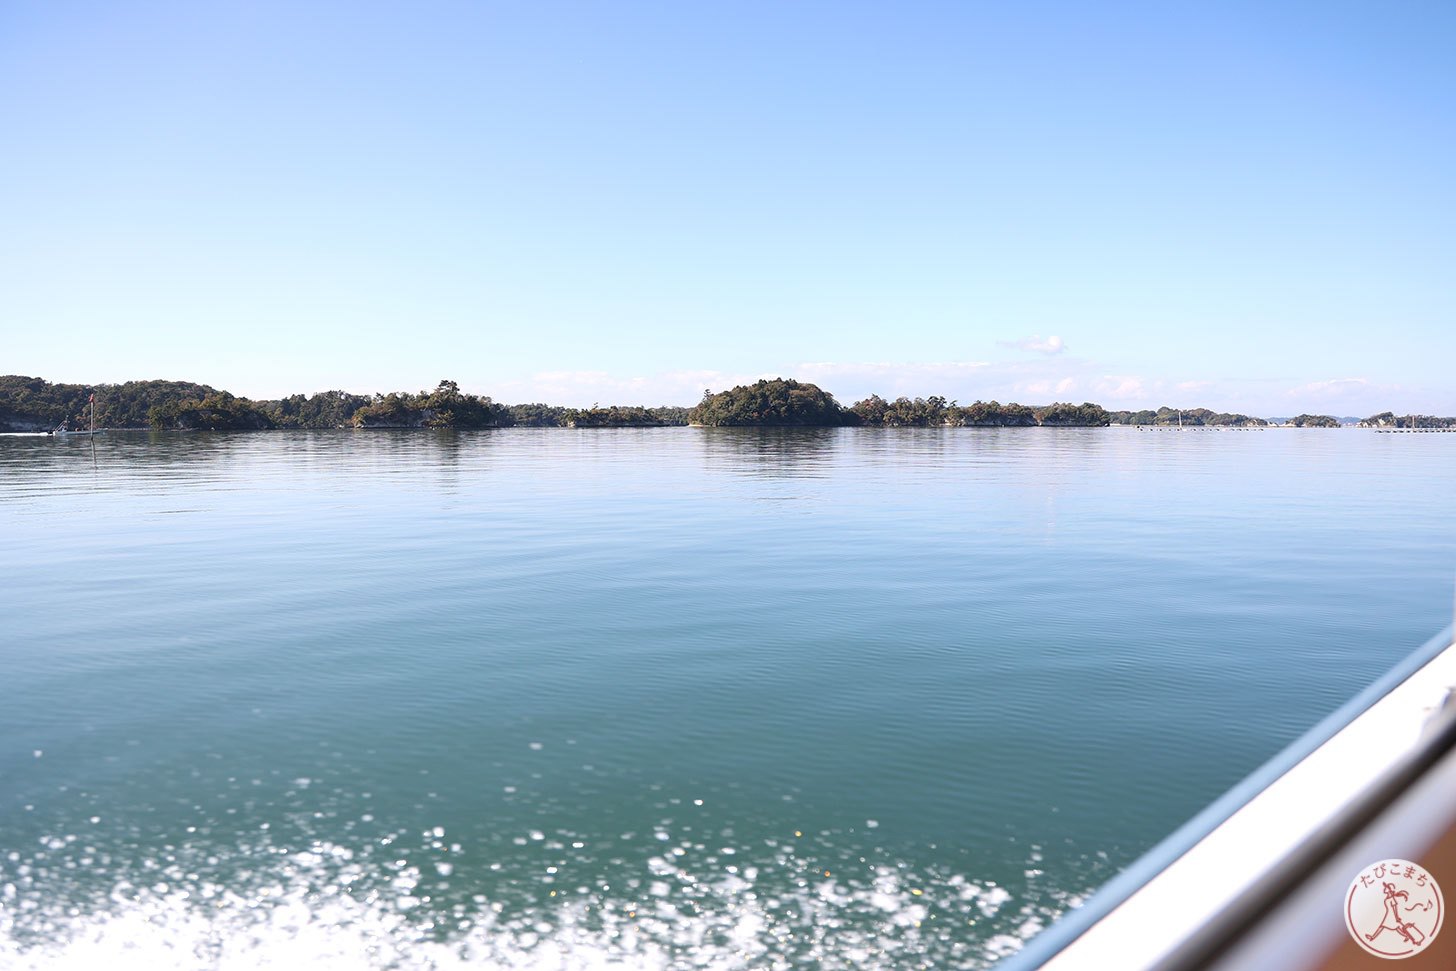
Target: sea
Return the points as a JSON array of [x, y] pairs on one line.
[[661, 698]]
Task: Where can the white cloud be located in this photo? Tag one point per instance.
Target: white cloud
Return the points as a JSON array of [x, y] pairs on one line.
[[825, 369], [1362, 396], [851, 381], [581, 388], [1336, 387], [1047, 386], [1121, 387], [1052, 345]]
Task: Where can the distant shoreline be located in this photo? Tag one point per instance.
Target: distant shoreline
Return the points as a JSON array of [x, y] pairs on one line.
[[353, 429], [29, 404]]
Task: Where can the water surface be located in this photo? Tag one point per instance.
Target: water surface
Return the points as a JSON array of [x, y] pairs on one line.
[[667, 697]]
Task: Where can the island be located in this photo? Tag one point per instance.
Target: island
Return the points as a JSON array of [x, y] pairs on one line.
[[1187, 416], [785, 402], [771, 402], [1388, 420], [936, 411]]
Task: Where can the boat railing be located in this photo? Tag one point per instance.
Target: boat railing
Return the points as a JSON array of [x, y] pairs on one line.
[[1258, 878]]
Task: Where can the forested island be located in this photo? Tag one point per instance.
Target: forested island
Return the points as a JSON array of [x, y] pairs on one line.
[[1187, 416], [30, 404], [785, 402], [1387, 420], [1314, 421]]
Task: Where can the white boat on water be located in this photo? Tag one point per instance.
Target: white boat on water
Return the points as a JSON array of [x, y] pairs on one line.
[[62, 430]]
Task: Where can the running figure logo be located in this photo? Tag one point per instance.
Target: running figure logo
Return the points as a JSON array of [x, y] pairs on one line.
[[1394, 909]]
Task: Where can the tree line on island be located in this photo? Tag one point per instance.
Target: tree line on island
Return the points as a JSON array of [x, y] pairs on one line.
[[782, 401], [33, 404]]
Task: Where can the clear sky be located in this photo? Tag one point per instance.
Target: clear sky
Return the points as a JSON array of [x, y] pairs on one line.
[[1248, 206]]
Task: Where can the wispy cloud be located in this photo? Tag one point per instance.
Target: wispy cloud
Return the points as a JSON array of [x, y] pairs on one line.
[[828, 369], [1364, 396], [1122, 387], [1051, 345], [1048, 386], [1335, 387], [582, 388], [850, 380]]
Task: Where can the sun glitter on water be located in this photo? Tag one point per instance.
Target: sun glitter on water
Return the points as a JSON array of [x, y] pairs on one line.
[[397, 901]]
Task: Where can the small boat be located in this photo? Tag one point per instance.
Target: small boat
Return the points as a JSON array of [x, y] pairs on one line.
[[61, 429]]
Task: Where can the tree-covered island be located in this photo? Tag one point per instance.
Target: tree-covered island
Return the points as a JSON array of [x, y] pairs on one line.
[[776, 402], [445, 407], [1186, 416], [30, 404], [1314, 421], [938, 412], [785, 402], [1388, 420], [35, 405]]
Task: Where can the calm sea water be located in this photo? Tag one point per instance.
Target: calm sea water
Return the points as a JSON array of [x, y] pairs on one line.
[[664, 698]]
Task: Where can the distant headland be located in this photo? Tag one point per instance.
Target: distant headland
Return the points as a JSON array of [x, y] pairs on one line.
[[34, 405]]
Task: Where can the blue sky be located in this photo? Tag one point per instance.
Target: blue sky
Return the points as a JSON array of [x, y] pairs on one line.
[[1239, 205]]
